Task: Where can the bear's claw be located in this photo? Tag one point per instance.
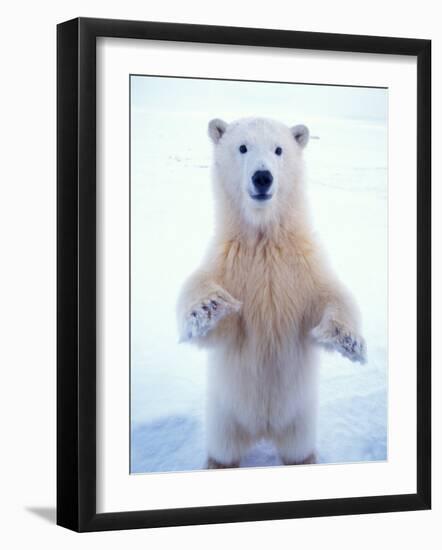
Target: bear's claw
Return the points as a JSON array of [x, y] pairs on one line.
[[341, 339], [206, 315]]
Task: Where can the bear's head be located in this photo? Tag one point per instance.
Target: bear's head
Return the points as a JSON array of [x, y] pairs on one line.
[[258, 167]]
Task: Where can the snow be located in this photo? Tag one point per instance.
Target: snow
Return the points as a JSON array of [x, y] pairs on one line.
[[172, 220]]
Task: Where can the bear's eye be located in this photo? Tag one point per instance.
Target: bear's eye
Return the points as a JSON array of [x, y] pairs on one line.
[[242, 149], [278, 151]]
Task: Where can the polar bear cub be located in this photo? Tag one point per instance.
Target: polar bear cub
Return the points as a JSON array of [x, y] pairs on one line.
[[264, 297]]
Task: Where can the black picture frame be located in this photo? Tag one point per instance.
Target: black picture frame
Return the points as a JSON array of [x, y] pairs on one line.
[[76, 273]]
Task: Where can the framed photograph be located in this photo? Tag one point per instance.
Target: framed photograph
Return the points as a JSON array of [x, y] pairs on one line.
[[243, 274]]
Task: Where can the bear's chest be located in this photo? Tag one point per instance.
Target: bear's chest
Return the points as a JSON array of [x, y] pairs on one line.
[[273, 284]]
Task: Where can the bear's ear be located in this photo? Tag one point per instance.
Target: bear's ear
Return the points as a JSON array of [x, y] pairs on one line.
[[216, 129], [301, 134]]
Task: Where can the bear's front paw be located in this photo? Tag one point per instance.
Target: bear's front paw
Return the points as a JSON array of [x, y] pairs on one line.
[[335, 336], [204, 316]]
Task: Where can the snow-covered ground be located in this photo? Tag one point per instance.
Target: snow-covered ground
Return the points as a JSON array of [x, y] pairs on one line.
[[172, 216]]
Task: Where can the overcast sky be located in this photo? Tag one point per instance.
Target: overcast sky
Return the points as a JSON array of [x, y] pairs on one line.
[[225, 98]]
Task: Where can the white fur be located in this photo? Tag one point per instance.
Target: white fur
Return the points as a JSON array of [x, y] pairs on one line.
[[263, 298]]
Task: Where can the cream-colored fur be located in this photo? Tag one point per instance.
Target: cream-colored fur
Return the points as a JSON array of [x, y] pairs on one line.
[[263, 298]]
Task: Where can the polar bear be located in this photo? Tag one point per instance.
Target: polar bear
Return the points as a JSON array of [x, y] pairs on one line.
[[264, 298]]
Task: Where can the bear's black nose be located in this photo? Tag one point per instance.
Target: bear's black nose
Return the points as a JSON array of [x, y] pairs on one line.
[[262, 180]]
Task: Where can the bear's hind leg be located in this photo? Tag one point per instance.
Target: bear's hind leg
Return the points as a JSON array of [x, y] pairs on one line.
[[297, 443], [213, 464], [310, 459], [227, 441]]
